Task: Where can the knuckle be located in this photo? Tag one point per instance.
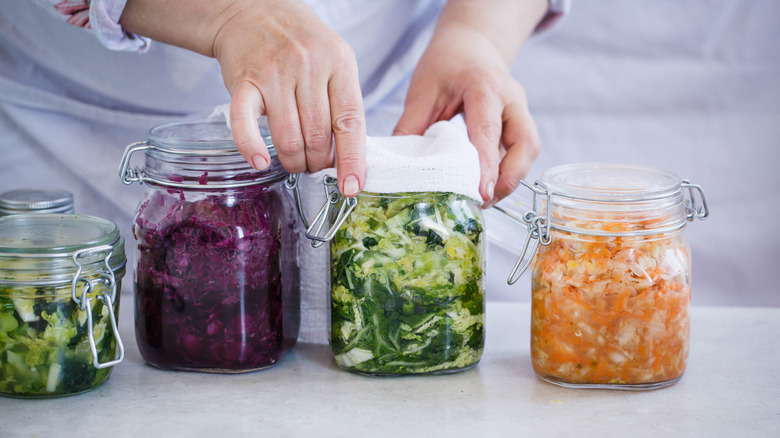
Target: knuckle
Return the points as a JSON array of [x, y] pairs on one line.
[[245, 77], [519, 90], [484, 79], [290, 146], [490, 132], [348, 121], [300, 54], [340, 49], [532, 144], [318, 139], [294, 168], [350, 160], [534, 147]]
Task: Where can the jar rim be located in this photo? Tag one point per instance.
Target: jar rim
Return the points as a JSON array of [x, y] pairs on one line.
[[41, 249], [201, 154], [608, 183]]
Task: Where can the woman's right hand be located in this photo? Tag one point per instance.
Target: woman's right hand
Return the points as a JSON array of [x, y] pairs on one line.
[[280, 60]]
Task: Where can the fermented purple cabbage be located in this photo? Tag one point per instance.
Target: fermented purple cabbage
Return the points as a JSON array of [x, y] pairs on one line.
[[209, 280]]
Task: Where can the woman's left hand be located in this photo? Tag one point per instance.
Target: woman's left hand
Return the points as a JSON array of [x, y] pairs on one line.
[[463, 70]]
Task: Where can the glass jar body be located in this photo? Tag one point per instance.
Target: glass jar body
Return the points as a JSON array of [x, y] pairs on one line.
[[44, 345], [216, 278], [611, 311], [407, 285]]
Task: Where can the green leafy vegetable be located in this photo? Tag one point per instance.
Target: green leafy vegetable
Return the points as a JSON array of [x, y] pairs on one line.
[[44, 348], [406, 284]]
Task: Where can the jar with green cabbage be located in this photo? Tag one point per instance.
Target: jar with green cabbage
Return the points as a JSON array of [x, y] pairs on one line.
[[407, 285], [59, 282]]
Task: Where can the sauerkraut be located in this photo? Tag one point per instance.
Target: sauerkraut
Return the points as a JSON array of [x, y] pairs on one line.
[[611, 310], [209, 282], [406, 279]]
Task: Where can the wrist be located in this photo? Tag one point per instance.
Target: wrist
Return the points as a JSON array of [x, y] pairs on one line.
[[505, 23], [461, 45], [190, 24]]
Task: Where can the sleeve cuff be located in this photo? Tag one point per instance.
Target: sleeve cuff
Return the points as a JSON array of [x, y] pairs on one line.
[[104, 21]]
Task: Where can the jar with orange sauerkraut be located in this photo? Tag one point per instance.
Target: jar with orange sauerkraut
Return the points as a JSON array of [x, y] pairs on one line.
[[611, 278]]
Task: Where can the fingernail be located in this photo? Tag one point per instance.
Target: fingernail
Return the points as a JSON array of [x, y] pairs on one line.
[[351, 186], [258, 161], [491, 186]]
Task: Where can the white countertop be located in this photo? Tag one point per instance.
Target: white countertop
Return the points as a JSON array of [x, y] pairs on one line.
[[731, 388]]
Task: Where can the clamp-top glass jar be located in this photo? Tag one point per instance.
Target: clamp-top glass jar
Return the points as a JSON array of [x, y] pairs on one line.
[[406, 281], [59, 277], [612, 277], [216, 275]]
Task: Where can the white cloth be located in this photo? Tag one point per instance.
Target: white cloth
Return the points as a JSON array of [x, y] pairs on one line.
[[441, 160]]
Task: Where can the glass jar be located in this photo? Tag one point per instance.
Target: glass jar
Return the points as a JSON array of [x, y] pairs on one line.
[[611, 279], [216, 274], [407, 283], [35, 200], [59, 277]]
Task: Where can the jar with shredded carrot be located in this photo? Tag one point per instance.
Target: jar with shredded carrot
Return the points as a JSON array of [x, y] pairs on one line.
[[611, 280]]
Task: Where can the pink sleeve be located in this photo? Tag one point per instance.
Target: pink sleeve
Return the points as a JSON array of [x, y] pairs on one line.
[[101, 17], [556, 11]]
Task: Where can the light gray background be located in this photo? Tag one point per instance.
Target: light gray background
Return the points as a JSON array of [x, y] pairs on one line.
[[692, 87], [689, 86]]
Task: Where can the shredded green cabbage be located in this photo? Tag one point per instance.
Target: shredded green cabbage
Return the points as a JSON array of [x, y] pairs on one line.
[[44, 347], [406, 282]]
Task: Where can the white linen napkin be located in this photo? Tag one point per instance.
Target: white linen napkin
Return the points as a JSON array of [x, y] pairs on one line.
[[441, 160]]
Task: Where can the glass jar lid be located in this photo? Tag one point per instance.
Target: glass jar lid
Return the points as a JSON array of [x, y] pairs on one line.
[[200, 137], [605, 183], [45, 249], [36, 200], [198, 154], [613, 199]]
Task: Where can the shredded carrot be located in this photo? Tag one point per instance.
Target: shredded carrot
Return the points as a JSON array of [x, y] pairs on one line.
[[611, 310]]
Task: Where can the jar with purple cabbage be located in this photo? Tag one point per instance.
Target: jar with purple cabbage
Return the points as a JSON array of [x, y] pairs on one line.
[[216, 244]]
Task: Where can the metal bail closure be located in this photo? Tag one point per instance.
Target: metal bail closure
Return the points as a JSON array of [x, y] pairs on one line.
[[292, 184], [538, 231], [108, 300], [126, 174], [334, 197], [695, 211]]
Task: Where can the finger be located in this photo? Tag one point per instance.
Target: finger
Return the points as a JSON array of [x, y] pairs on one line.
[[314, 113], [420, 112], [246, 106], [521, 139], [285, 127], [482, 112], [349, 130]]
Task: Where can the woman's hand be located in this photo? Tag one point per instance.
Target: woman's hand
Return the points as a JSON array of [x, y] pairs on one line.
[[466, 69], [278, 59]]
